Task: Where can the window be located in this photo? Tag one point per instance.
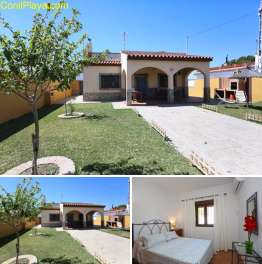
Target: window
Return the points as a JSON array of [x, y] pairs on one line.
[[54, 217], [110, 81], [205, 213], [162, 81], [233, 85]]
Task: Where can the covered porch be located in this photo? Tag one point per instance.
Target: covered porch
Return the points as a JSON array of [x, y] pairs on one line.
[[163, 78], [80, 215]]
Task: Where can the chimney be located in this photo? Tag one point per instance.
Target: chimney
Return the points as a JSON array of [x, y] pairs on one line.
[[89, 48]]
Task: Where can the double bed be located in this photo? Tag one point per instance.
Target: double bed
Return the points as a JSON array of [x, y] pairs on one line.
[[155, 243]]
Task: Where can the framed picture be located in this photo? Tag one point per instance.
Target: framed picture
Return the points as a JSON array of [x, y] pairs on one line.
[[252, 209]]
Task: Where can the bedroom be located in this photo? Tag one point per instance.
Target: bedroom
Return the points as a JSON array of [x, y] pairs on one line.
[[196, 220]]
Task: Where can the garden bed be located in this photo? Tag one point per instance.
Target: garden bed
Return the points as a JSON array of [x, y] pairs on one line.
[[24, 259], [72, 115], [45, 169], [54, 165]]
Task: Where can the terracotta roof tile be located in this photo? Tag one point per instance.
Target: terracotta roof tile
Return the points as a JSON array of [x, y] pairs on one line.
[[231, 67], [69, 204], [165, 55]]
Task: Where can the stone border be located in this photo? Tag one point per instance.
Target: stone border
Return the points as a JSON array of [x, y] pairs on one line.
[[74, 115], [32, 259], [66, 165]]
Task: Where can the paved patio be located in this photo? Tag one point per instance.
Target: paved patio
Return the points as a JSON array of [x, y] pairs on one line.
[[110, 249], [230, 145]]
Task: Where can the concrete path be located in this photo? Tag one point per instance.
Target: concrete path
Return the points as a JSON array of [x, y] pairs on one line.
[[110, 249], [230, 145]]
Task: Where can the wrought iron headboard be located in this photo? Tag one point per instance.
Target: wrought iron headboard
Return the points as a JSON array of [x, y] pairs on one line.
[[151, 225]]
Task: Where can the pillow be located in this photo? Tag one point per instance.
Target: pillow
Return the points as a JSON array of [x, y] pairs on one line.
[[171, 235], [153, 240]]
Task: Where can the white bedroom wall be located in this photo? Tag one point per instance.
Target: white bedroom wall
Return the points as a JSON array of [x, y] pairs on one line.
[[232, 211], [150, 201], [249, 187]]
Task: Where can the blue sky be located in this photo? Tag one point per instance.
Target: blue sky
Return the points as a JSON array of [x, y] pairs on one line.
[[102, 190], [164, 25]]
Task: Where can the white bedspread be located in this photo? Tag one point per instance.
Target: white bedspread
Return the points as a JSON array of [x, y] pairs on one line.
[[176, 251]]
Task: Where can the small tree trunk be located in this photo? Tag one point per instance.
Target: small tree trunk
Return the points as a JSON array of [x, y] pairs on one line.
[[66, 105], [35, 139], [17, 246]]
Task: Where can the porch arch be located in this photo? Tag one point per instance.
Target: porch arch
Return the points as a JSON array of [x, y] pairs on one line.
[[151, 83], [74, 219], [181, 85], [94, 219]]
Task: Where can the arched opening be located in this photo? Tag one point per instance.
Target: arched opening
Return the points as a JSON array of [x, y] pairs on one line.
[[189, 85], [94, 219], [150, 85], [74, 219]]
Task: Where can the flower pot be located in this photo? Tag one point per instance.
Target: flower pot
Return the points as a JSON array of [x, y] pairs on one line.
[[249, 247]]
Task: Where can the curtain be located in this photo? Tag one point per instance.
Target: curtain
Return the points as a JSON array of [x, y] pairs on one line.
[[189, 218], [221, 232]]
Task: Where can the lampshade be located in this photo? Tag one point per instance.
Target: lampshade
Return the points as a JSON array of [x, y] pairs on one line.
[[173, 222]]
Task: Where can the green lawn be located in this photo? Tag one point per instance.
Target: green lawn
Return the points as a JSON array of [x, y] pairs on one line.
[[240, 111], [118, 232], [52, 248], [107, 141]]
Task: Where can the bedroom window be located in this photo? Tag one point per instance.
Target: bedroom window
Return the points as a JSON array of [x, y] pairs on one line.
[[110, 81], [54, 218], [205, 213]]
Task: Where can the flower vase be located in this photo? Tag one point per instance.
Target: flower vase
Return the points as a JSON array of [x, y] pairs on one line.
[[249, 247]]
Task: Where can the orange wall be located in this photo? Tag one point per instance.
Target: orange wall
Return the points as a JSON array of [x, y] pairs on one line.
[[12, 106], [198, 89], [6, 230], [256, 89]]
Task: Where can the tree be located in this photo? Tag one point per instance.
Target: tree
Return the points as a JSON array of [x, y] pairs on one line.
[[243, 59], [21, 206], [41, 60]]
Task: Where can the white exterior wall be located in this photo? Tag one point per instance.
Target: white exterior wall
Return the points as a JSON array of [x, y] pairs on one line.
[[91, 83], [45, 218], [128, 67]]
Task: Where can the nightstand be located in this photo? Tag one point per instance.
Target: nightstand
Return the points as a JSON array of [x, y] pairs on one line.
[[179, 231]]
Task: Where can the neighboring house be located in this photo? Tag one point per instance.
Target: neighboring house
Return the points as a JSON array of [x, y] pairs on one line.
[[227, 79], [71, 215], [140, 77]]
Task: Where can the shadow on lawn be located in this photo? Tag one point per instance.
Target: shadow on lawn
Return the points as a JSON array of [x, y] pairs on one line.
[[256, 107], [122, 167], [13, 126], [6, 240], [94, 116], [64, 260]]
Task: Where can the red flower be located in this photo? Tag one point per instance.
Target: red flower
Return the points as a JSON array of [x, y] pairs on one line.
[[250, 225]]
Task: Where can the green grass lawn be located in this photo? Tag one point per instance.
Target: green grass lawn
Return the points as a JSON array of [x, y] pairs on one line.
[[118, 232], [52, 248], [107, 141], [240, 111]]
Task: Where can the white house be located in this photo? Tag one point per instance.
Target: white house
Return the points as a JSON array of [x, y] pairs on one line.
[[140, 77], [71, 215]]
